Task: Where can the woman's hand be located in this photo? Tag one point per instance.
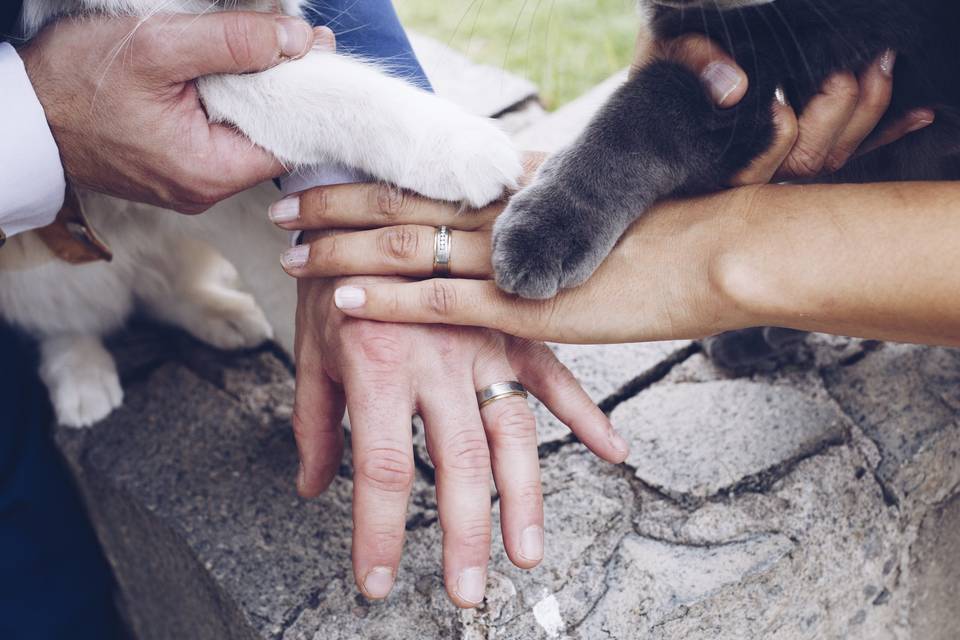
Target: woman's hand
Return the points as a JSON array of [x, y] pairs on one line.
[[837, 125], [382, 374], [872, 261], [674, 244]]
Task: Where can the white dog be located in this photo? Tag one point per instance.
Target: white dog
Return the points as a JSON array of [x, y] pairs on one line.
[[323, 108]]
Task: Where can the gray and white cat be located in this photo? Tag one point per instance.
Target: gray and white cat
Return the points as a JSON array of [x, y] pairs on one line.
[[323, 108]]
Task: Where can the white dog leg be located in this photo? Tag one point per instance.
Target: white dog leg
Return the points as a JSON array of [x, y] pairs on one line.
[[327, 108], [81, 377], [202, 297]]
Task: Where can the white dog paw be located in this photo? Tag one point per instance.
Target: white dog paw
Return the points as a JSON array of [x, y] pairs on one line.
[[231, 320], [82, 379], [464, 159], [87, 399]]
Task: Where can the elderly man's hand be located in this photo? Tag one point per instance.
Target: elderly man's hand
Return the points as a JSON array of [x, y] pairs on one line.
[[383, 374], [123, 108]]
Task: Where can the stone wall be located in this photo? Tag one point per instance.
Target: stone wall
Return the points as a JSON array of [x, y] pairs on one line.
[[815, 502]]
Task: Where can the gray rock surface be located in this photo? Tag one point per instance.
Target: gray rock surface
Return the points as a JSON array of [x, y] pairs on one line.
[[819, 501]]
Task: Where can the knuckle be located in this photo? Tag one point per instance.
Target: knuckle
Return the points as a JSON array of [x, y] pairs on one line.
[[556, 374], [837, 159], [440, 297], [374, 345], [327, 251], [528, 496], [686, 48], [466, 454], [473, 535], [513, 425], [387, 469], [843, 86], [391, 200], [399, 243], [385, 537], [804, 162], [319, 204], [788, 132], [238, 35], [154, 49]]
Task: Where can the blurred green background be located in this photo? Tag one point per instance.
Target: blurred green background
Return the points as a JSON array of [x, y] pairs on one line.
[[564, 46]]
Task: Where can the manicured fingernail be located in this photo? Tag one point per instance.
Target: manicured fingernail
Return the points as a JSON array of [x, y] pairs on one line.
[[323, 39], [781, 96], [531, 543], [301, 476], [287, 210], [887, 62], [295, 257], [378, 582], [721, 80], [293, 36], [471, 584], [349, 297], [618, 443], [919, 124]]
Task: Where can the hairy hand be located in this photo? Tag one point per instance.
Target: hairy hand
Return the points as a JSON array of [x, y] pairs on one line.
[[384, 373], [123, 108]]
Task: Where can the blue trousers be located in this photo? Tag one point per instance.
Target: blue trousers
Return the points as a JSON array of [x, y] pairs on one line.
[[54, 581]]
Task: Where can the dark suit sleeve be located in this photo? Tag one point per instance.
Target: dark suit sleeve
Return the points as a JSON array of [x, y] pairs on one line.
[[9, 13], [370, 29]]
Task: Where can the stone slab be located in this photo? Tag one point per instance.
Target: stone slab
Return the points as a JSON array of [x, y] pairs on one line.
[[696, 440], [906, 400], [190, 486], [603, 370]]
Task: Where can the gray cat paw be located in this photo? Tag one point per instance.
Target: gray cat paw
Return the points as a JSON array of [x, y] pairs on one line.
[[542, 244]]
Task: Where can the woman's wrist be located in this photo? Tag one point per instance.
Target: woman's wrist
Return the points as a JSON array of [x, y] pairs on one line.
[[741, 273]]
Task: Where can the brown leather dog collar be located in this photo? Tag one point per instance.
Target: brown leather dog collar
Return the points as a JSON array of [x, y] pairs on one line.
[[71, 237]]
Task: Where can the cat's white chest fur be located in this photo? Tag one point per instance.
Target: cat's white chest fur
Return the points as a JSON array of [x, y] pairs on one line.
[[323, 108]]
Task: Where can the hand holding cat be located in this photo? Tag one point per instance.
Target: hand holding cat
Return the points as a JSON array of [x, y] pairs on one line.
[[836, 125], [123, 108]]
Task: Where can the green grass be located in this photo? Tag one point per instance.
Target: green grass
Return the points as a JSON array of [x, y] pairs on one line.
[[564, 46]]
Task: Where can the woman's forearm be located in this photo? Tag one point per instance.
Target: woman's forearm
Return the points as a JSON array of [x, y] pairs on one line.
[[878, 261]]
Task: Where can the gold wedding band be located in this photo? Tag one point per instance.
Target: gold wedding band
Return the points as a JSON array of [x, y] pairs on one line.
[[499, 391], [442, 249]]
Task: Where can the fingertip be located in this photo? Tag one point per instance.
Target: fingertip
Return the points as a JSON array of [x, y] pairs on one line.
[[920, 119], [620, 448], [295, 37], [350, 298], [324, 39], [469, 588], [311, 485], [377, 583], [530, 549], [725, 82]]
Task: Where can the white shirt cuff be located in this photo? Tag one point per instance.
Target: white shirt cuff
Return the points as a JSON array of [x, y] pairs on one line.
[[32, 183]]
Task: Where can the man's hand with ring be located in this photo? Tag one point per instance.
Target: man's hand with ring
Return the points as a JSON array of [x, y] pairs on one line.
[[384, 373]]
